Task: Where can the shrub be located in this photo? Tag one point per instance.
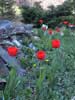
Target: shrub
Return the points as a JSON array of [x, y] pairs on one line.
[[32, 14], [53, 16]]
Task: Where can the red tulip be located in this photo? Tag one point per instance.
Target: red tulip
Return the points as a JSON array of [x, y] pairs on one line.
[[50, 31], [41, 55], [66, 22], [40, 21], [55, 43], [12, 51], [57, 29]]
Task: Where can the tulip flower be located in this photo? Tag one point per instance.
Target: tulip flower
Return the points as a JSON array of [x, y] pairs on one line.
[[71, 25], [66, 22], [12, 51], [55, 43], [57, 29], [40, 21], [50, 31], [41, 55], [44, 27]]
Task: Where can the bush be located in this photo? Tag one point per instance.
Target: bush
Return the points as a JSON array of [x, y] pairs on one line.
[[53, 16], [32, 15]]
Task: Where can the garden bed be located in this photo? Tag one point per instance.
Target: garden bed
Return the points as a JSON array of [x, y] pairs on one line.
[[50, 67]]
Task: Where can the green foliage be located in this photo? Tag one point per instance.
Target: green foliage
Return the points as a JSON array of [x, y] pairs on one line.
[[53, 16], [31, 15], [6, 9], [42, 74], [12, 83], [52, 78]]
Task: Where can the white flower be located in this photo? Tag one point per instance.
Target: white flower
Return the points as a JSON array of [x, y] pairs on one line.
[[45, 26]]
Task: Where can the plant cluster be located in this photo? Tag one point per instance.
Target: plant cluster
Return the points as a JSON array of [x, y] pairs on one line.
[[52, 17], [50, 69]]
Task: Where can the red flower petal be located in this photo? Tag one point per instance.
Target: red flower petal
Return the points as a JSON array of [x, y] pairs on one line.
[[71, 25], [66, 22], [44, 28], [12, 51], [55, 43], [40, 21], [50, 31], [57, 29], [41, 55]]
